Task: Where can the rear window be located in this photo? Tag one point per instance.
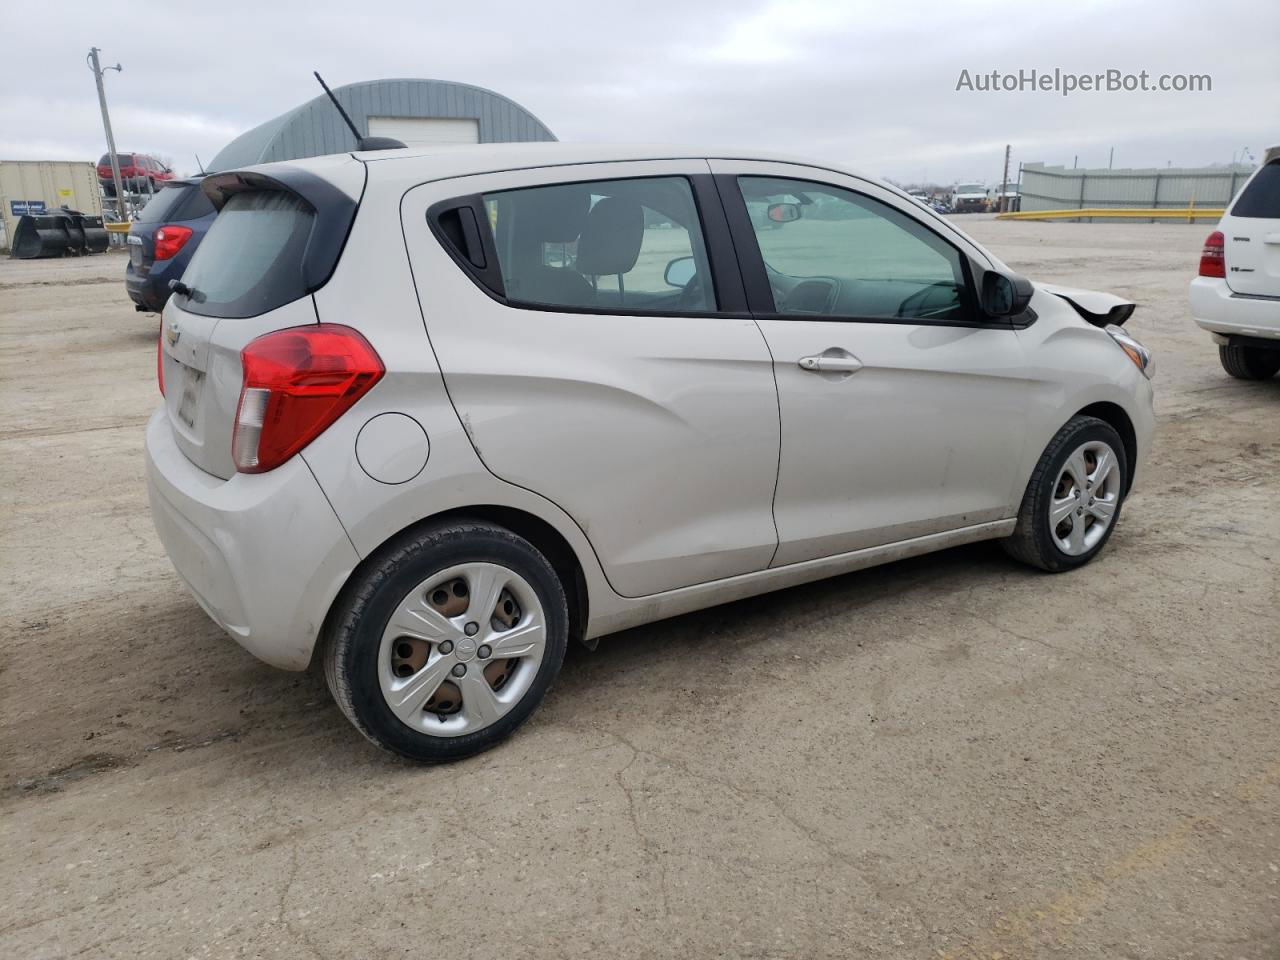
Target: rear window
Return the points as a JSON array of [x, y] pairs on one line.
[[1261, 195], [126, 159], [251, 260], [184, 202]]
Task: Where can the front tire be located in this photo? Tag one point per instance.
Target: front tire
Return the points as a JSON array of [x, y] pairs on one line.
[[1072, 503], [1249, 363], [448, 641]]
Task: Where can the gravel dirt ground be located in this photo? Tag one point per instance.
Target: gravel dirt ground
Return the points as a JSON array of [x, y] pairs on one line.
[[951, 756]]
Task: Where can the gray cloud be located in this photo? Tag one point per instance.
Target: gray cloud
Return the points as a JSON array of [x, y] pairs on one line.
[[870, 85]]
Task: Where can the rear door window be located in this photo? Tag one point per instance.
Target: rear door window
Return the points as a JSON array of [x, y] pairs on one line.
[[252, 258], [603, 246], [1261, 196]]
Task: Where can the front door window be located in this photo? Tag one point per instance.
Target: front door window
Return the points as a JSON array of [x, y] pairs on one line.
[[832, 252]]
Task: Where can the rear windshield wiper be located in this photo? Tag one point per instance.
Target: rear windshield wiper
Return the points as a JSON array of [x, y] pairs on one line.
[[191, 293]]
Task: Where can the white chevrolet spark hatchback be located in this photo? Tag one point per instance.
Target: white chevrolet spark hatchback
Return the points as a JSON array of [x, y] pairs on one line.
[[431, 416]]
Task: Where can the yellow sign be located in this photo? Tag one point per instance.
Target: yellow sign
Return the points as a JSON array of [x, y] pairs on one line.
[[64, 191]]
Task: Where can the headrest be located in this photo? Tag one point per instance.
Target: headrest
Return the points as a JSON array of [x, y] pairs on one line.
[[551, 214], [610, 242]]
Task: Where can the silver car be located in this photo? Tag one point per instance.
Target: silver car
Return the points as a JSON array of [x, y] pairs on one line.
[[431, 417]]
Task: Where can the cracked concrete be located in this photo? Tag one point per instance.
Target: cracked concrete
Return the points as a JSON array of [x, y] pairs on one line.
[[947, 757]]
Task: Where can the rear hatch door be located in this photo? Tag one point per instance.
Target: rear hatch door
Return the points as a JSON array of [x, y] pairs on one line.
[[276, 239], [202, 372], [142, 248], [1251, 233]]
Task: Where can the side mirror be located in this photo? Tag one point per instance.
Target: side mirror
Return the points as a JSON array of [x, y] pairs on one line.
[[1005, 295], [784, 212], [679, 272]]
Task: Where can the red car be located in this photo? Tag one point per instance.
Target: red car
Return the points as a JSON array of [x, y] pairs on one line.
[[138, 172]]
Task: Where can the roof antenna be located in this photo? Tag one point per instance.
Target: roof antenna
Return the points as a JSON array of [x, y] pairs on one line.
[[199, 164], [362, 143]]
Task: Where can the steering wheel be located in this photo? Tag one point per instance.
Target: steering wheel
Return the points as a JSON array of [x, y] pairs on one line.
[[916, 305]]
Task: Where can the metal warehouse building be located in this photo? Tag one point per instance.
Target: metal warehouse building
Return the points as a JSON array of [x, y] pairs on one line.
[[413, 111]]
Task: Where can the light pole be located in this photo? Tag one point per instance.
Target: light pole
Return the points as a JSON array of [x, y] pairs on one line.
[[1004, 183], [98, 71]]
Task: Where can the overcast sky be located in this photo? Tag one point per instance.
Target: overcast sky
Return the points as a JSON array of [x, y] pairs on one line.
[[871, 85]]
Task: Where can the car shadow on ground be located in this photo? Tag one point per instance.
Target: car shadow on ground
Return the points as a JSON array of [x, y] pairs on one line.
[[742, 624], [209, 693]]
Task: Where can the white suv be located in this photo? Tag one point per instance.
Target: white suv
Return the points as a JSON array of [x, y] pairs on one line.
[[432, 416], [1236, 297]]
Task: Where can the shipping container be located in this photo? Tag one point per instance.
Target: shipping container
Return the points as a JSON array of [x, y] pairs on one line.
[[34, 186]]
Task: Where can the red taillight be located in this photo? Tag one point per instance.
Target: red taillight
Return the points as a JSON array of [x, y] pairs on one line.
[[296, 383], [1213, 262], [169, 240]]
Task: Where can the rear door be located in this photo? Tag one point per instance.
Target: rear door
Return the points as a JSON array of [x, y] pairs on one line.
[[903, 414], [593, 336], [425, 131], [1251, 233]]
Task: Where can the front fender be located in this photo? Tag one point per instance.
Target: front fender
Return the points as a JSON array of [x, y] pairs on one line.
[[1072, 366]]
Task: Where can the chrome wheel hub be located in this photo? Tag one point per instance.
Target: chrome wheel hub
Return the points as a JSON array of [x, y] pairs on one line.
[[1085, 498], [461, 649]]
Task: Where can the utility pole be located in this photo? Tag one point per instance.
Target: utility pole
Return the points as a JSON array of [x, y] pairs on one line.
[[1004, 181], [1111, 158], [98, 71]]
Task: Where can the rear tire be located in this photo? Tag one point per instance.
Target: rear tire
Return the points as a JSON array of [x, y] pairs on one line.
[[1072, 503], [1249, 363], [397, 684]]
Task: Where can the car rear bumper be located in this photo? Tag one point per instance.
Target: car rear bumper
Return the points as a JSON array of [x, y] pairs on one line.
[[146, 292], [151, 291], [263, 554], [1215, 308]]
